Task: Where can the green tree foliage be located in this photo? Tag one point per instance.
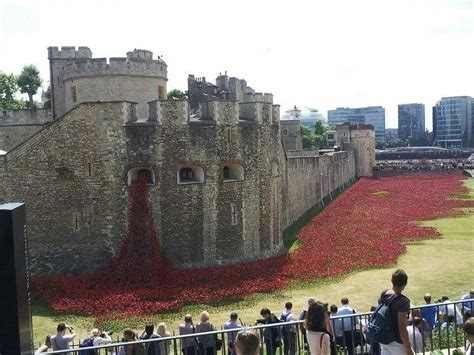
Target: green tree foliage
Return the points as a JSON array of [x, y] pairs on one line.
[[319, 134], [175, 93], [7, 90], [47, 98], [29, 82], [307, 136]]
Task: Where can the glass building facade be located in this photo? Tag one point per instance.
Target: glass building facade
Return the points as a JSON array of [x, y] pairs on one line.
[[454, 122], [374, 115], [411, 121]]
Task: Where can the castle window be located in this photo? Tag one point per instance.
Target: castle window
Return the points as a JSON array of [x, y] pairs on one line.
[[285, 132], [89, 169], [275, 169], [229, 135], [161, 92], [76, 218], [233, 172], [191, 175], [234, 216], [73, 94], [145, 173]]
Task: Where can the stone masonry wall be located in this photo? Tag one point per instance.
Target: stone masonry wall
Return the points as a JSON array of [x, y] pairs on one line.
[[308, 177], [70, 175]]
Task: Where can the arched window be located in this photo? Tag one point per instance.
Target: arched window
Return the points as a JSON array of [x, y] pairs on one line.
[[148, 174], [191, 175], [233, 172]]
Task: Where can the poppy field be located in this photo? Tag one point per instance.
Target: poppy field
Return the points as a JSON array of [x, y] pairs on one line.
[[366, 226]]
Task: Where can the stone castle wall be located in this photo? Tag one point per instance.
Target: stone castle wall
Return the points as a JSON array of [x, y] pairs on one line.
[[311, 178], [137, 77], [18, 125], [73, 176]]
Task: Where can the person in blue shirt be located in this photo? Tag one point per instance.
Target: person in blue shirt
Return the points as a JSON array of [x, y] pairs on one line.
[[429, 313], [468, 306]]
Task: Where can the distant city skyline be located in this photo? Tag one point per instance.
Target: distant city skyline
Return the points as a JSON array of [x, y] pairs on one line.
[[324, 54]]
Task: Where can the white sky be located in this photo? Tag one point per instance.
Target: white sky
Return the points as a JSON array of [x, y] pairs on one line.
[[317, 53]]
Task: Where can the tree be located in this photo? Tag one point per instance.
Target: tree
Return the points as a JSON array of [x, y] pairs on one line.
[[8, 88], [320, 130], [175, 93], [307, 136], [29, 82], [47, 98]]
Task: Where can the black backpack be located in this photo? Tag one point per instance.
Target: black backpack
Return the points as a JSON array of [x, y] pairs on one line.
[[380, 327]]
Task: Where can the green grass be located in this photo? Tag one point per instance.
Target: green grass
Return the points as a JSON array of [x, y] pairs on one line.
[[441, 266], [381, 193]]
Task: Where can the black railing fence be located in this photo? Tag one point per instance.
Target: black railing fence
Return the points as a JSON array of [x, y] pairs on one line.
[[440, 334]]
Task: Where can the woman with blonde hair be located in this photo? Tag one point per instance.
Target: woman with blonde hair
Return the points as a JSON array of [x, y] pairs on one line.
[[206, 343], [164, 345]]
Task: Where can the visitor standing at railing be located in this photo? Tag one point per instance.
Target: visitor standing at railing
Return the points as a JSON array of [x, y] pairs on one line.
[[451, 309], [429, 313], [163, 332], [399, 309], [152, 347], [271, 335], [288, 331], [414, 335], [311, 300], [468, 306], [232, 324], [129, 349], [320, 339], [206, 343], [349, 325], [189, 344], [61, 341]]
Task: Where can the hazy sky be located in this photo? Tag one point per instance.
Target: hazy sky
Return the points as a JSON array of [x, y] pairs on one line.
[[317, 53]]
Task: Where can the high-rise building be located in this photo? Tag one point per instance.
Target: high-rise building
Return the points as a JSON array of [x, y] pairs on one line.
[[454, 122], [374, 115], [411, 121]]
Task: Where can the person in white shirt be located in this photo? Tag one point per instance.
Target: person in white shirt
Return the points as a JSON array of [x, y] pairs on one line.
[[100, 338], [414, 335], [451, 309], [348, 325]]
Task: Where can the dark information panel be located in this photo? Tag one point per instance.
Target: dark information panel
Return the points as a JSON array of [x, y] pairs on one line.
[[15, 312]]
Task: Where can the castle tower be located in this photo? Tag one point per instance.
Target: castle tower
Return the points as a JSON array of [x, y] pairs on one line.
[[76, 77]]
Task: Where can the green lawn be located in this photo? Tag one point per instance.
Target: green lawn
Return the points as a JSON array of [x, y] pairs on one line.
[[441, 266]]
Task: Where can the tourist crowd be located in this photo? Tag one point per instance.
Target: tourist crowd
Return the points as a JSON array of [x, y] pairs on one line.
[[324, 329], [419, 165]]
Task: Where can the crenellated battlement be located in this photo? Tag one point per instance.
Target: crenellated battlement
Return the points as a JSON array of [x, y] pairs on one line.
[[115, 66], [69, 53]]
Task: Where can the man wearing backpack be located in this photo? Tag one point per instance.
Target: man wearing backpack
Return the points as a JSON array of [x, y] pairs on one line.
[[288, 332], [388, 324]]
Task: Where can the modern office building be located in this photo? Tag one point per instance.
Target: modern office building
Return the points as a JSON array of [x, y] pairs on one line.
[[391, 134], [411, 121], [374, 115], [453, 118]]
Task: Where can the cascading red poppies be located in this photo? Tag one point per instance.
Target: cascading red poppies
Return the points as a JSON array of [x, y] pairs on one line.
[[359, 229]]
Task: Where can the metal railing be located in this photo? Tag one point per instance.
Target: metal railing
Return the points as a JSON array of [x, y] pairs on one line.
[[348, 331]]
